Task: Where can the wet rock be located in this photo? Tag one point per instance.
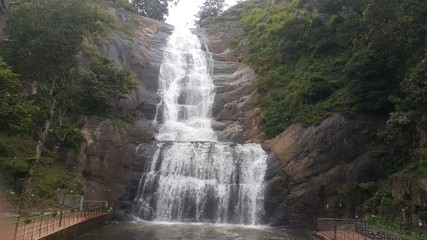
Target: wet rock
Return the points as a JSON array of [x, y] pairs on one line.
[[276, 193]]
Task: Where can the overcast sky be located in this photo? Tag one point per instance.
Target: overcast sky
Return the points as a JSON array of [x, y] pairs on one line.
[[183, 13]]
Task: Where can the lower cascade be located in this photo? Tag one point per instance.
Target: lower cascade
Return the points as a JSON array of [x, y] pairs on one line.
[[204, 182], [191, 177]]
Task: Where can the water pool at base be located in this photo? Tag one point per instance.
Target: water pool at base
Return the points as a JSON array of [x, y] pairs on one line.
[[170, 231]]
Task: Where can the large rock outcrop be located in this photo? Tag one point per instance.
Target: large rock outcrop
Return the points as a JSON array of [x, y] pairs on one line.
[[107, 162], [318, 160]]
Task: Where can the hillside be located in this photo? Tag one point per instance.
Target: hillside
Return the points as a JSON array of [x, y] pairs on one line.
[[342, 89], [60, 77]]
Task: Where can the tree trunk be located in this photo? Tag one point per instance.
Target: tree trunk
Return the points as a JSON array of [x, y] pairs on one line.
[[4, 16], [40, 143]]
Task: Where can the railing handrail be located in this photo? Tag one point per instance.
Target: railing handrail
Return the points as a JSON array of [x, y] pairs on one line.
[[94, 201], [359, 226], [341, 219], [27, 227]]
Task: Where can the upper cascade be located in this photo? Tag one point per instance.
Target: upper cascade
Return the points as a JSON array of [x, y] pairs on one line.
[[186, 90]]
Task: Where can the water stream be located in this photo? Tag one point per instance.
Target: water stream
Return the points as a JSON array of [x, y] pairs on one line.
[[192, 177]]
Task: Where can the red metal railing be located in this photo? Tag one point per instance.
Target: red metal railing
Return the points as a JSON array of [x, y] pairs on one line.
[[36, 227]]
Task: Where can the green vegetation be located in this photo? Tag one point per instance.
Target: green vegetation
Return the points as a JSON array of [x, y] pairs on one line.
[[387, 214], [319, 57], [394, 226], [102, 84], [16, 156], [15, 110], [209, 9], [45, 90], [16, 153], [155, 9]]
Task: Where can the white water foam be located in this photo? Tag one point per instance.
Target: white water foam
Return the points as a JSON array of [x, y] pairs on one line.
[[186, 90], [192, 177]]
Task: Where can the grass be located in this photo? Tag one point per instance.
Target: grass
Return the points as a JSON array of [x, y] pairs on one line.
[[16, 156]]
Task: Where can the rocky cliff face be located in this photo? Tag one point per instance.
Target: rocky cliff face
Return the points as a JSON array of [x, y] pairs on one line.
[[106, 163], [236, 117], [114, 152], [317, 161], [142, 52]]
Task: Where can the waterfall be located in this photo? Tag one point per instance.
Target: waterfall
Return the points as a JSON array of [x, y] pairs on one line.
[[186, 90], [191, 176]]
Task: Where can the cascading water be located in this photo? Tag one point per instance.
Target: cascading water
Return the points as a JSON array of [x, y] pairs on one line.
[[186, 90], [191, 176]]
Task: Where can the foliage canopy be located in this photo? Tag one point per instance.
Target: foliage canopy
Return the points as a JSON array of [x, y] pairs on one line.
[[52, 90], [15, 111], [323, 56], [155, 9], [210, 8]]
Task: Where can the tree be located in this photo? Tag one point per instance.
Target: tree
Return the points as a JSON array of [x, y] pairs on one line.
[[210, 8], [156, 9], [15, 111], [411, 109], [45, 36], [97, 87]]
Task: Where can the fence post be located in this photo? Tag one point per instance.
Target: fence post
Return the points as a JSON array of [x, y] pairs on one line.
[[41, 225], [62, 209], [32, 229], [25, 230], [335, 229], [365, 230], [19, 216]]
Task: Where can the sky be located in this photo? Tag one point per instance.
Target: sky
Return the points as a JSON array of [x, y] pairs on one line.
[[183, 13]]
